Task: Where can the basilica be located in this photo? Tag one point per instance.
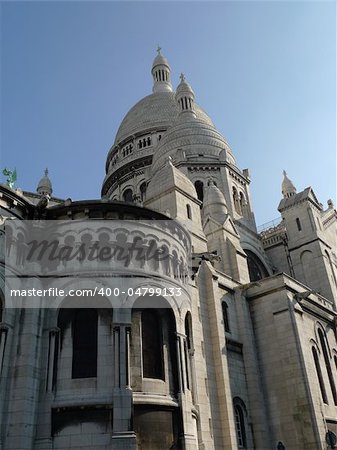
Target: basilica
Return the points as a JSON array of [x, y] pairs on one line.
[[227, 342]]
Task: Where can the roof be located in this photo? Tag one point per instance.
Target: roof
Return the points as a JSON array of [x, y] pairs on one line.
[[307, 194], [167, 178]]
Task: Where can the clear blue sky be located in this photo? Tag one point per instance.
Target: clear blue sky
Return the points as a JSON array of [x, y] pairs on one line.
[[264, 71]]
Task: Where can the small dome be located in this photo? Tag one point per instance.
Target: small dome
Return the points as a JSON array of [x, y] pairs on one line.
[[184, 87], [44, 187], [288, 188], [160, 60], [214, 203]]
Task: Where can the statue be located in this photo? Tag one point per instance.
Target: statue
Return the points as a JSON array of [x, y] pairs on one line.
[[11, 177], [41, 206]]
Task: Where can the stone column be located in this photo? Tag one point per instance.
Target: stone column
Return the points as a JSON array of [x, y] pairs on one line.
[[180, 372], [24, 389], [188, 438], [44, 440], [52, 357], [3, 338], [123, 437]]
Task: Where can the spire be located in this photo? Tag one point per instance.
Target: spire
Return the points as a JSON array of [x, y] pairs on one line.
[[44, 187], [185, 98], [288, 188], [161, 73]]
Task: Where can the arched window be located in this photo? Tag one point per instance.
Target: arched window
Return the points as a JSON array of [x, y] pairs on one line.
[[152, 345], [256, 269], [240, 426], [188, 211], [236, 200], [298, 223], [243, 205], [242, 202], [142, 191], [335, 359], [199, 187], [225, 316], [319, 375], [84, 331], [327, 364], [128, 195]]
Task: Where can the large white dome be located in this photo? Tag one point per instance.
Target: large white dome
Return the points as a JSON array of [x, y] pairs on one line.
[[154, 111]]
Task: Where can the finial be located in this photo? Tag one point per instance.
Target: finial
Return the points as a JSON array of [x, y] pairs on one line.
[[159, 50], [284, 173], [46, 172], [182, 77]]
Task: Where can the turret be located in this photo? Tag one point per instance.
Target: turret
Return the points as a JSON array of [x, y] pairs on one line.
[[44, 187], [185, 99], [161, 73]]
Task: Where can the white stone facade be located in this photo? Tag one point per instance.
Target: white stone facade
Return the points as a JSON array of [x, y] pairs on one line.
[[244, 358]]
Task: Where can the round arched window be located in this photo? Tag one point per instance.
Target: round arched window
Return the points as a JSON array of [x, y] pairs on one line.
[[128, 195], [256, 268]]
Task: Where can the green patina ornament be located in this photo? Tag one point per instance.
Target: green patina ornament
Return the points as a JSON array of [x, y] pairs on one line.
[[11, 177]]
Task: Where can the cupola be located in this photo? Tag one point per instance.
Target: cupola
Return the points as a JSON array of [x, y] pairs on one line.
[[44, 187], [185, 98], [161, 73]]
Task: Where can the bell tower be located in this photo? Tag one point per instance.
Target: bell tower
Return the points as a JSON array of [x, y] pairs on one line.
[[310, 243]]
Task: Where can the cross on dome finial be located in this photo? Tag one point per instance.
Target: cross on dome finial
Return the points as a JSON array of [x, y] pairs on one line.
[[159, 50], [182, 77], [46, 172]]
